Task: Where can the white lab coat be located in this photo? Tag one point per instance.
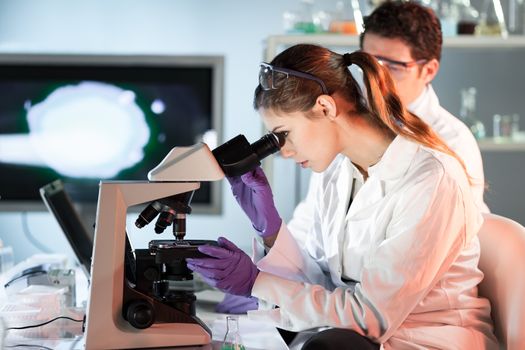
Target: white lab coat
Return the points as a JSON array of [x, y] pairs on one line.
[[452, 130], [456, 135], [400, 267]]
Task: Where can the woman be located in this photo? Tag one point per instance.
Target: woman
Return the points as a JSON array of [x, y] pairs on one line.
[[392, 256]]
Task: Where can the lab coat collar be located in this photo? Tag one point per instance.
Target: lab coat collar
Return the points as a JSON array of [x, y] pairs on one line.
[[395, 161], [382, 176], [426, 106]]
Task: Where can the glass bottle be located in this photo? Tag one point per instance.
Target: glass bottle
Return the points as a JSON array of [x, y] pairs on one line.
[[514, 19], [289, 21], [232, 339], [305, 19], [448, 14], [496, 127], [348, 18], [468, 17], [468, 112], [492, 20], [515, 129]]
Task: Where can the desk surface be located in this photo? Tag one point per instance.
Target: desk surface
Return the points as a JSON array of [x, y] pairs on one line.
[[255, 335]]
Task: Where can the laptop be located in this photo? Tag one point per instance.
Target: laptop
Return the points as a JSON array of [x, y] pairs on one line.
[[61, 207]]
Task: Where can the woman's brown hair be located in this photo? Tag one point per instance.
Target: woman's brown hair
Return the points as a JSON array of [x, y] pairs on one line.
[[381, 107]]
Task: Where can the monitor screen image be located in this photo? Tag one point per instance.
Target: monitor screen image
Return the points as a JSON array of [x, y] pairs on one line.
[[86, 118]]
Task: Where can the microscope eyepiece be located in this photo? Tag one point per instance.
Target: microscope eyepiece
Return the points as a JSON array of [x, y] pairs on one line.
[[267, 145], [237, 156]]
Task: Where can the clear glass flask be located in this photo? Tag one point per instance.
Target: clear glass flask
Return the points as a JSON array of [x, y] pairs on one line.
[[468, 112], [232, 339]]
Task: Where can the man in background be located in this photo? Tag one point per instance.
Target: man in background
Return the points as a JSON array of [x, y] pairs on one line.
[[406, 38]]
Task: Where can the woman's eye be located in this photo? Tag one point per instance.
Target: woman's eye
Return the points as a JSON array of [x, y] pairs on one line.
[[281, 134]]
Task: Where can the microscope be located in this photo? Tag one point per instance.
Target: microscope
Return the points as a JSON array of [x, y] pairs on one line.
[[143, 298]]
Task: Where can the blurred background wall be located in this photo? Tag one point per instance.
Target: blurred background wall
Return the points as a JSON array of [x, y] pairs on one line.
[[237, 30]]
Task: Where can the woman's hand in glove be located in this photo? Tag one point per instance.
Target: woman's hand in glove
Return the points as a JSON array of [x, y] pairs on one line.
[[228, 268], [234, 304], [253, 193]]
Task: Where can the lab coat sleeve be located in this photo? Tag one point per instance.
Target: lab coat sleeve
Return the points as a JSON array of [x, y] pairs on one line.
[[304, 225], [289, 260], [425, 235], [303, 216]]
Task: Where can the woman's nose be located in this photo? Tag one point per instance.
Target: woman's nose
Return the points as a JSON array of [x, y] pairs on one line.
[[286, 152]]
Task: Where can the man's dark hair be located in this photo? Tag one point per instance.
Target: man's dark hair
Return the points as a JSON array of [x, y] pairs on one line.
[[414, 24]]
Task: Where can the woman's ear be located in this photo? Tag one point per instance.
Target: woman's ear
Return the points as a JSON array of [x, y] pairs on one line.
[[326, 106]]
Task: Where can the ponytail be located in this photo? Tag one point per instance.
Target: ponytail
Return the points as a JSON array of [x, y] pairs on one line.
[[360, 78], [385, 106]]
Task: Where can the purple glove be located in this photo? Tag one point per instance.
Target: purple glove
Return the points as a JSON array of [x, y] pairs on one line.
[[253, 193], [234, 304], [228, 268]]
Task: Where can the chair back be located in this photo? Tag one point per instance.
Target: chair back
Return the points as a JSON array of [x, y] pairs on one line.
[[502, 260]]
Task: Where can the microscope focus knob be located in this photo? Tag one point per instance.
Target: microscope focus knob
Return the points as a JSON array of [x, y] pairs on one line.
[[140, 314]]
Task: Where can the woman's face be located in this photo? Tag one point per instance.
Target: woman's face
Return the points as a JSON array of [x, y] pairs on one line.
[[310, 142]]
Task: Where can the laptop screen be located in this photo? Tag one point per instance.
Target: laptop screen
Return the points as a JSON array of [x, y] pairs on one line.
[[60, 205]]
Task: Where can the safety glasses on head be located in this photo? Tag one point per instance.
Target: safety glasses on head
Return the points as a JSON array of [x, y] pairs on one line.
[[398, 68], [271, 78]]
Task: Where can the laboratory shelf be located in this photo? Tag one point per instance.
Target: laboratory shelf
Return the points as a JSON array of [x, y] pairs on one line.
[[475, 42], [275, 43], [338, 40], [498, 145]]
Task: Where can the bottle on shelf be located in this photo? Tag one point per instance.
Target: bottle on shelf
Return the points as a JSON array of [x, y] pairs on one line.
[[515, 128], [492, 20], [506, 128], [516, 15], [467, 112], [448, 13], [468, 17], [348, 18], [301, 21]]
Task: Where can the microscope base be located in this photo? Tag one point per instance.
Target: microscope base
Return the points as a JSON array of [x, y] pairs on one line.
[[105, 326], [158, 335]]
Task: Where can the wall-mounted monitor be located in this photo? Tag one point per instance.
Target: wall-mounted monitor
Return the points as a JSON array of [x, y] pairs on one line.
[[84, 118]]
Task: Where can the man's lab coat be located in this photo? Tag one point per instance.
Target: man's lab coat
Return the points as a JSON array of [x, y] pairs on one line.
[[456, 135], [399, 267]]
